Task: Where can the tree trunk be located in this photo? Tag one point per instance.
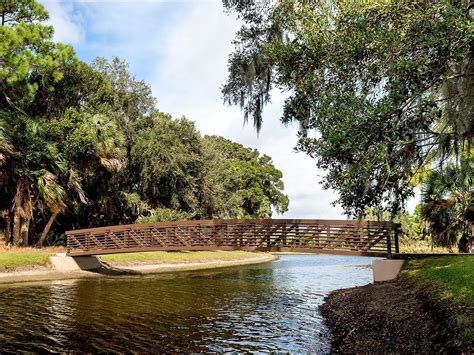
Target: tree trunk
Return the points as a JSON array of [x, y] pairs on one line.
[[3, 236], [16, 238], [46, 229], [25, 230], [8, 227]]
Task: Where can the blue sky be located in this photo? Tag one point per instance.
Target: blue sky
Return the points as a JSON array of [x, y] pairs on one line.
[[180, 48]]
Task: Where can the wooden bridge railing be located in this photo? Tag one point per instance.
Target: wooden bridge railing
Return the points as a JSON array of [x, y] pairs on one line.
[[305, 235]]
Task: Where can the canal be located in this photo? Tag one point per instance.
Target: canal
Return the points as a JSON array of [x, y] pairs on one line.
[[268, 307]]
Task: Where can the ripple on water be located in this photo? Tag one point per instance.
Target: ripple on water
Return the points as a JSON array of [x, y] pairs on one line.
[[261, 308]]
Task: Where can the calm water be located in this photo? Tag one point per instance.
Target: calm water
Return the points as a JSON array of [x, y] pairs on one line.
[[270, 307]]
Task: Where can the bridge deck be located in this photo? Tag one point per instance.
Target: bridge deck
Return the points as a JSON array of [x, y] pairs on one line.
[[287, 235]]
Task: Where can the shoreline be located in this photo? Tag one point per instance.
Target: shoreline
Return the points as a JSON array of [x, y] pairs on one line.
[[381, 318], [398, 316], [117, 269]]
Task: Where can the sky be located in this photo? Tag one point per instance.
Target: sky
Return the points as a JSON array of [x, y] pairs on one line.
[[180, 48]]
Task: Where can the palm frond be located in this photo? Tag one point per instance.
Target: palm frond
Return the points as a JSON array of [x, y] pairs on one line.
[[74, 182], [50, 191], [114, 159]]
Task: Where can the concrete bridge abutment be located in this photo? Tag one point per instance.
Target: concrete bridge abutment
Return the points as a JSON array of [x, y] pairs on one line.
[[386, 269], [64, 263]]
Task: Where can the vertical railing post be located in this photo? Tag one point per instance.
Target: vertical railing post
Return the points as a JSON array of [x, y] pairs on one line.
[[88, 238], [269, 237], [147, 235], [328, 236], [397, 246], [226, 235], [389, 242], [106, 237], [254, 235], [297, 236], [361, 236], [284, 235]]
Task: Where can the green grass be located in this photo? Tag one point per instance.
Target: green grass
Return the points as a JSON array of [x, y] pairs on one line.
[[10, 260], [452, 275], [448, 282], [163, 257]]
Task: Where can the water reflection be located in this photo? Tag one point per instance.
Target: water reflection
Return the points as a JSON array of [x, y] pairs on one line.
[[270, 307]]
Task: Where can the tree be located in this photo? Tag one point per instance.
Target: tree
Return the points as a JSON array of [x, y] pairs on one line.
[[29, 60], [448, 203], [167, 157], [133, 104], [48, 140], [84, 145], [129, 103], [247, 183], [380, 89]]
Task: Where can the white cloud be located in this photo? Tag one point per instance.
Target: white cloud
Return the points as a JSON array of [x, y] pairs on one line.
[[187, 82], [66, 29]]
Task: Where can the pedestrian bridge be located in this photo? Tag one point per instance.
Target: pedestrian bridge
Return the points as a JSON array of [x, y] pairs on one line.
[[345, 237]]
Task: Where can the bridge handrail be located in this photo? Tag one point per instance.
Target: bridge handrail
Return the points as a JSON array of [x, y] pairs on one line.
[[211, 222], [252, 234]]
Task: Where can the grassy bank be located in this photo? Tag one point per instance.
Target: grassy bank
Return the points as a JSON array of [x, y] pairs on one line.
[[163, 257], [25, 258], [448, 284], [14, 259]]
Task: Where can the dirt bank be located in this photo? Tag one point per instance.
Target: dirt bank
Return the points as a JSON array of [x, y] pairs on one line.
[[388, 317]]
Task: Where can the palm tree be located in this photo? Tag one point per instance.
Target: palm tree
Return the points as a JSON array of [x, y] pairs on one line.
[[448, 203], [53, 195], [6, 150], [108, 155]]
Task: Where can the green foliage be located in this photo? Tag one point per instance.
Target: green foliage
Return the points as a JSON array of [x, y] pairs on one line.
[[448, 202], [131, 101], [168, 159], [247, 184], [29, 60], [163, 215], [206, 178], [411, 224], [85, 145], [379, 88], [49, 141]]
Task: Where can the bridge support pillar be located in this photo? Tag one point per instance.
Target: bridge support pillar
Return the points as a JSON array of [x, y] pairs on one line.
[[64, 263], [386, 269]]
